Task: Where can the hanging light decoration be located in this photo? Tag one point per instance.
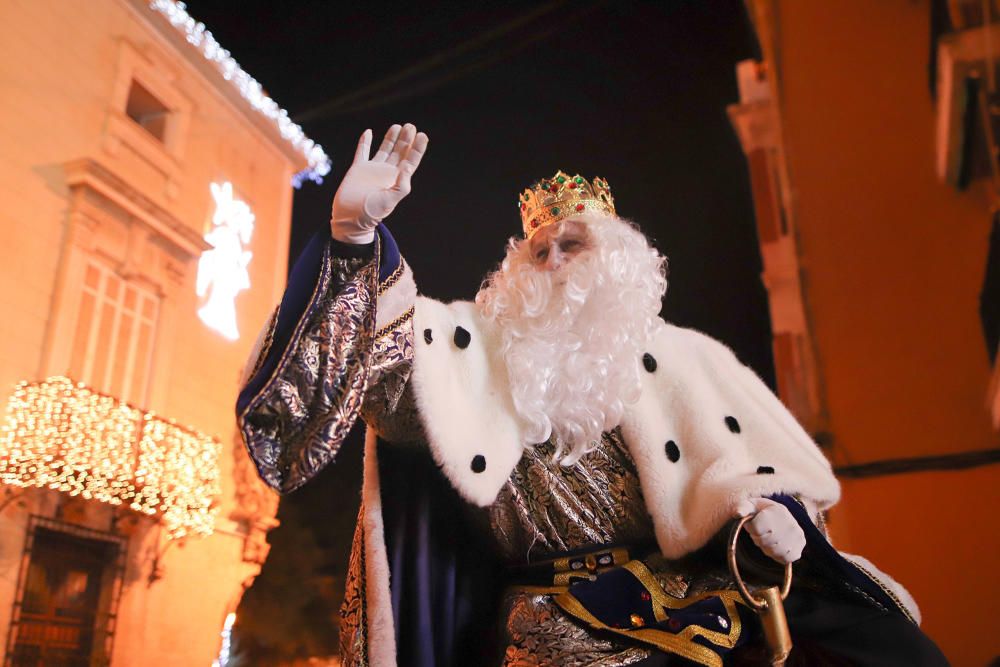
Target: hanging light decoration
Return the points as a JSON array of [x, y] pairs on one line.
[[227, 641], [248, 87], [222, 270], [62, 435]]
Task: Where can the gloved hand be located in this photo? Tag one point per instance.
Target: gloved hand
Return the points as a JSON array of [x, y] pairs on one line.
[[372, 188], [774, 529]]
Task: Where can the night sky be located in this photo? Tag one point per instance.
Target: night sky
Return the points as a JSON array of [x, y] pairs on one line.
[[507, 93]]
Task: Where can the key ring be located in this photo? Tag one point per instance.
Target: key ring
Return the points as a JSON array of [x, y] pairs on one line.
[[755, 603]]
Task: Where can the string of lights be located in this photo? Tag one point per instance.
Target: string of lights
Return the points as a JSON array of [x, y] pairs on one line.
[[248, 87], [62, 435]]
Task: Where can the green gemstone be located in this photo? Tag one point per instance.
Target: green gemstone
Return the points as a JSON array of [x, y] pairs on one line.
[[555, 210], [579, 180], [561, 179]]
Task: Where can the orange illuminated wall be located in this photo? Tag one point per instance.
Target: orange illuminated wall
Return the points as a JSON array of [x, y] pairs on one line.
[[893, 263]]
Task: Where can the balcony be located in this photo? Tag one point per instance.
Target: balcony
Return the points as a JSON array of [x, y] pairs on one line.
[[62, 435]]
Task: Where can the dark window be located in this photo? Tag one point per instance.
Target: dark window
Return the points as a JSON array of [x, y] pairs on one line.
[[144, 108], [66, 601]]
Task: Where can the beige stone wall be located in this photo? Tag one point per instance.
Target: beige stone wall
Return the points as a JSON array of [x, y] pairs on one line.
[[893, 263], [64, 71]]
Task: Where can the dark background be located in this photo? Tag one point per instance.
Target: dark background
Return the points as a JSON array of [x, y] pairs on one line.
[[508, 93]]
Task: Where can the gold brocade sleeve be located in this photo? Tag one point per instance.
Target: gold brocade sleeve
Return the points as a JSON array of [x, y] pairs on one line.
[[335, 362], [389, 407]]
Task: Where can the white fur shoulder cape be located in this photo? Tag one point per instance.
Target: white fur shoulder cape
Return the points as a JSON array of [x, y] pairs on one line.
[[705, 434]]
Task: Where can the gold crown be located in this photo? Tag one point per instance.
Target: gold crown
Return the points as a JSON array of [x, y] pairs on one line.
[[553, 199]]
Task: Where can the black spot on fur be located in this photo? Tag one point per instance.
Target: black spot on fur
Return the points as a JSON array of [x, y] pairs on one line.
[[673, 453], [733, 425], [462, 337], [649, 362], [765, 470], [428, 337], [478, 463]]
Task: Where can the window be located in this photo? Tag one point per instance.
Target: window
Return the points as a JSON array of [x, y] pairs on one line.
[[147, 113], [146, 110], [67, 597], [115, 330]]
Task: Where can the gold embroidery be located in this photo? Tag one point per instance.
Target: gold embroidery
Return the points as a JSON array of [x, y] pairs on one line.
[[661, 640], [392, 279], [353, 610], [892, 596], [546, 508], [540, 634], [389, 407], [682, 643], [396, 323], [821, 517], [729, 599]]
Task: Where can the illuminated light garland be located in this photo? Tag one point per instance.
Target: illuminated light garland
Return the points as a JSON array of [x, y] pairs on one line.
[[251, 90], [227, 641], [65, 436]]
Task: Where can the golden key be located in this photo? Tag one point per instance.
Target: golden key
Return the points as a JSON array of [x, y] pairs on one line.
[[768, 603]]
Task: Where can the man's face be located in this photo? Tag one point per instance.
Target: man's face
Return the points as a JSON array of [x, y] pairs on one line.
[[555, 245]]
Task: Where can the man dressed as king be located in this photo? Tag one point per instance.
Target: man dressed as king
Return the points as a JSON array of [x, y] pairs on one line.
[[552, 471]]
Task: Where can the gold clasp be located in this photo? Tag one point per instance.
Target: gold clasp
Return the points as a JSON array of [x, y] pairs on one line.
[[769, 605]]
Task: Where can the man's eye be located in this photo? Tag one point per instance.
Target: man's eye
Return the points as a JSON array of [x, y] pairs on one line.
[[542, 254], [568, 245]]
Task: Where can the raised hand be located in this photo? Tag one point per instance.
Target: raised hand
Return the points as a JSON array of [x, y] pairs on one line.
[[373, 187], [774, 529]]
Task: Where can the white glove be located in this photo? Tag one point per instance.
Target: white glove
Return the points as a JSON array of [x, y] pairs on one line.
[[774, 530], [372, 188]]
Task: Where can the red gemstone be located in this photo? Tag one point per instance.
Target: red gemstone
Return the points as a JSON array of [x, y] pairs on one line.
[[579, 207], [572, 186], [646, 596], [534, 223], [523, 206]]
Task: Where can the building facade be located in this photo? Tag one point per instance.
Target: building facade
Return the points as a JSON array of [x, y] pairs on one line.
[[144, 221], [875, 249]]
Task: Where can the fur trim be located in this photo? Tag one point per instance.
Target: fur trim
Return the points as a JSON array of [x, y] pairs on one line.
[[381, 630], [461, 390], [890, 584], [732, 440]]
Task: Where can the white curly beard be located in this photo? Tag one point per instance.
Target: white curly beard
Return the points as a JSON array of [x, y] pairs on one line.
[[573, 339]]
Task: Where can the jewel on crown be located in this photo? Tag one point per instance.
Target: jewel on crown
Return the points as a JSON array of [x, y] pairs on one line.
[[551, 200]]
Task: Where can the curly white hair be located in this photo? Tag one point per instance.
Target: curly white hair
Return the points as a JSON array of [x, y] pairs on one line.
[[573, 339]]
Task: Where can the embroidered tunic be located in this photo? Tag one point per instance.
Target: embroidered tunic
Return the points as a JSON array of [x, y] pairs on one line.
[[545, 510]]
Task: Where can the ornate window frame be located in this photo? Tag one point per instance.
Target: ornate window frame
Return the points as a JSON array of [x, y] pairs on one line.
[[112, 222]]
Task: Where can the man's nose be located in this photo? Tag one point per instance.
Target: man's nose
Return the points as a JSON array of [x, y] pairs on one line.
[[555, 259]]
